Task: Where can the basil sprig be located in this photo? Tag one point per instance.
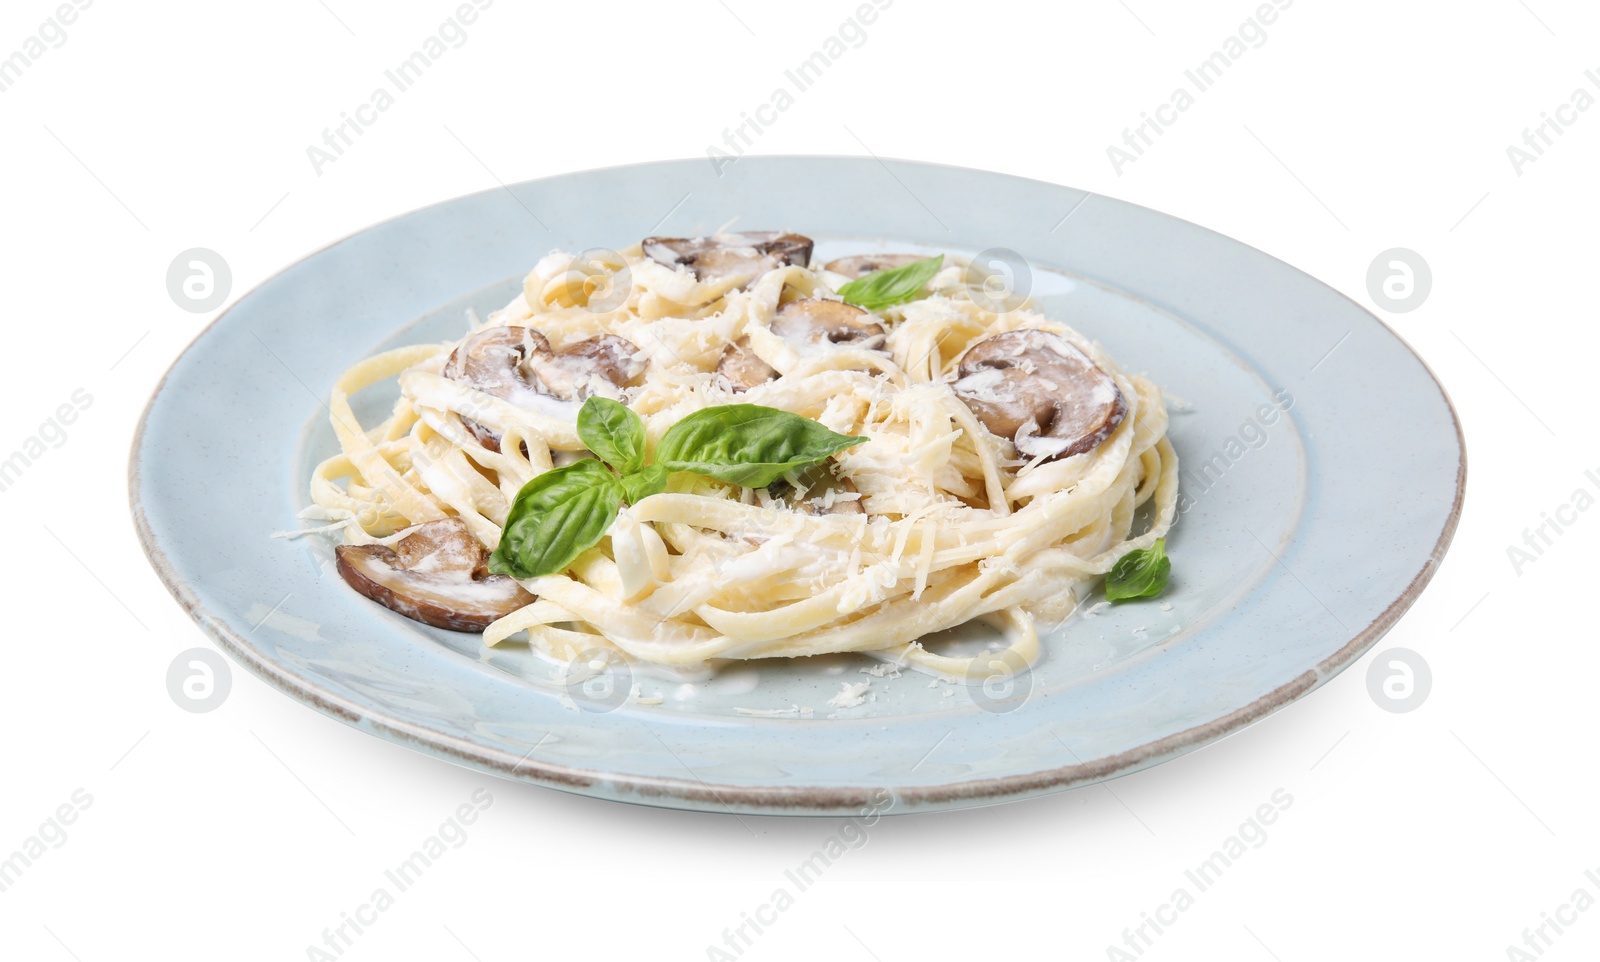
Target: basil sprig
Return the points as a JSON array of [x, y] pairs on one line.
[[643, 483], [882, 289], [564, 512], [613, 432], [556, 517], [748, 444], [1140, 574]]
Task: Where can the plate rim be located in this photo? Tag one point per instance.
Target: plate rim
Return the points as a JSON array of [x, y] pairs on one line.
[[771, 799]]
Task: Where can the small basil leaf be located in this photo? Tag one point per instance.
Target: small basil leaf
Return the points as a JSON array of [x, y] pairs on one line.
[[643, 483], [748, 444], [556, 517], [882, 289], [613, 432], [1139, 574]]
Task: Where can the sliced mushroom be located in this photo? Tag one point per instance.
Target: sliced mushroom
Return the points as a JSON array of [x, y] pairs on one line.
[[820, 491], [1037, 389], [813, 321], [518, 365], [807, 325], [492, 360], [437, 573], [860, 265], [743, 367], [749, 254], [600, 366]]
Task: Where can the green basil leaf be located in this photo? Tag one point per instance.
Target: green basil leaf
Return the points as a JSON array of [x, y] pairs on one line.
[[882, 289], [643, 483], [748, 444], [613, 432], [1140, 574], [556, 517]]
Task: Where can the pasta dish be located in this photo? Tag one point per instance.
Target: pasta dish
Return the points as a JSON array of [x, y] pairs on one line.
[[706, 449]]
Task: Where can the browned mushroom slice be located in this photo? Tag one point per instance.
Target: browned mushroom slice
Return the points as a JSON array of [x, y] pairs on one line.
[[806, 324], [743, 367], [1037, 389], [824, 493], [599, 366], [517, 364], [813, 321], [749, 254], [436, 574], [491, 360], [860, 265]]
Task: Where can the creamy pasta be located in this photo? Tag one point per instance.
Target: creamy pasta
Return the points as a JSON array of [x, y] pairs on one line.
[[942, 515]]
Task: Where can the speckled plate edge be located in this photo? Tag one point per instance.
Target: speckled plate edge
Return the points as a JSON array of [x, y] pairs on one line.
[[821, 799]]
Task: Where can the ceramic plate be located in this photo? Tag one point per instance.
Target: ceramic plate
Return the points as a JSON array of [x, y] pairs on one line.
[[1302, 418]]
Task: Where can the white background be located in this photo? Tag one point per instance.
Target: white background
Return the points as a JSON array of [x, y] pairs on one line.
[[1357, 127]]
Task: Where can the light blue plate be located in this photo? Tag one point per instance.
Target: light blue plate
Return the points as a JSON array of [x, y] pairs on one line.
[[1306, 533]]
